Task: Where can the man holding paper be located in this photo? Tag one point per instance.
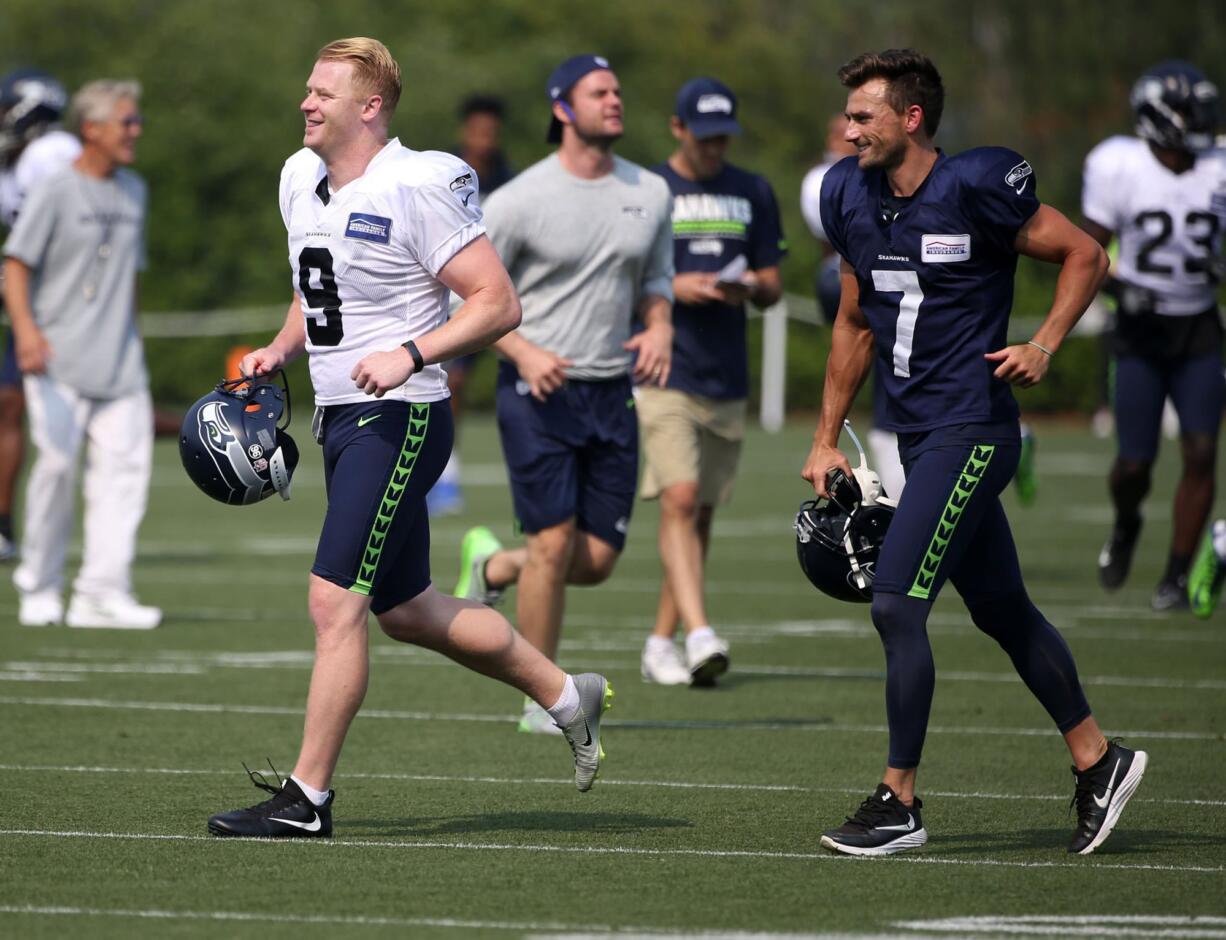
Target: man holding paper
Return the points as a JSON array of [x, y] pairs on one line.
[[727, 242]]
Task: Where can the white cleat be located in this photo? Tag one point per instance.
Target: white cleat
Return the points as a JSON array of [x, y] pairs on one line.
[[40, 609], [112, 612], [583, 733], [707, 657], [664, 665]]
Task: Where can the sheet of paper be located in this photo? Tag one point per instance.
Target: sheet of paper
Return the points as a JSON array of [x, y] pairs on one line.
[[732, 272]]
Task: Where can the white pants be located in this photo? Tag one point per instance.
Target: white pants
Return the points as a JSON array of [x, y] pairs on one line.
[[884, 445], [118, 464]]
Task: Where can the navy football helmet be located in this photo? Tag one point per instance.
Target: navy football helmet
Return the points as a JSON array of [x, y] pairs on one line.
[[1176, 107], [838, 538], [233, 444], [30, 101]]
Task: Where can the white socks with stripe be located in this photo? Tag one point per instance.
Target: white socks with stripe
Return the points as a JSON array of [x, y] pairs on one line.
[[564, 710]]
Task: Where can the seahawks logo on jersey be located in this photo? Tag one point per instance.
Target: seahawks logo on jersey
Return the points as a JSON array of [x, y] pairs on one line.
[[464, 188], [1016, 177]]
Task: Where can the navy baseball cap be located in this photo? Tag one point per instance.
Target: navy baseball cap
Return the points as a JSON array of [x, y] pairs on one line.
[[708, 108], [563, 79]]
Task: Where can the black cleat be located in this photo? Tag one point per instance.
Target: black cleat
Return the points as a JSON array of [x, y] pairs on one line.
[[1171, 594], [882, 825], [290, 814], [1101, 794], [1115, 559]]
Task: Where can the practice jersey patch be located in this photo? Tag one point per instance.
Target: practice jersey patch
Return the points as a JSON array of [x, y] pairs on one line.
[[1016, 177], [940, 249], [371, 228], [464, 188]]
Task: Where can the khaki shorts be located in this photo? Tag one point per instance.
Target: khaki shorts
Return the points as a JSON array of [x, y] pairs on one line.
[[687, 438]]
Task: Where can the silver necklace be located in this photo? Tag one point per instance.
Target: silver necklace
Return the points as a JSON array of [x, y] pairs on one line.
[[109, 218]]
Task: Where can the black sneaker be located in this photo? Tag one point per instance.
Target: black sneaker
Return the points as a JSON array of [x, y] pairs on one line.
[[1171, 594], [290, 814], [882, 825], [1101, 794], [1115, 559]]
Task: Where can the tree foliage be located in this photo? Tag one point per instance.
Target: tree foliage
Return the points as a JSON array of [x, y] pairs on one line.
[[223, 79]]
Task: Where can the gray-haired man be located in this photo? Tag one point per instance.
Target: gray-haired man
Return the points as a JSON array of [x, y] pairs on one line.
[[70, 266]]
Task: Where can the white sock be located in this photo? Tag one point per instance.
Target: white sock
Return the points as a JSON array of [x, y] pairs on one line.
[[318, 797], [699, 633], [1219, 538], [564, 710], [659, 644]]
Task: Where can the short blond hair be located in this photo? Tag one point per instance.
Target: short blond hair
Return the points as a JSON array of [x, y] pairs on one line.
[[375, 72], [96, 100]]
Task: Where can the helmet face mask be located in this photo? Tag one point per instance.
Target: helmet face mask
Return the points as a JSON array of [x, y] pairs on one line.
[[1176, 107], [233, 445], [839, 538]]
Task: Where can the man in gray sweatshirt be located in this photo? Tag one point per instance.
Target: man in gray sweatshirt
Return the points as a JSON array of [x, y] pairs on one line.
[[587, 239]]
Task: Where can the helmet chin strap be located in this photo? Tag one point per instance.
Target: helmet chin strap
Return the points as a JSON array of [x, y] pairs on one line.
[[871, 493], [279, 473]]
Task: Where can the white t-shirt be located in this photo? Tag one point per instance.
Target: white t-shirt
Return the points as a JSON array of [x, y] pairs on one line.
[[1169, 225], [44, 155], [365, 262]]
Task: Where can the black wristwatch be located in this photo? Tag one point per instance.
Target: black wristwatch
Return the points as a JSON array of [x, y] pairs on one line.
[[418, 362]]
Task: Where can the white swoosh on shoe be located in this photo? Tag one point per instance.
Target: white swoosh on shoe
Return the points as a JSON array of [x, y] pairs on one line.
[[1101, 802], [907, 827], [313, 826]]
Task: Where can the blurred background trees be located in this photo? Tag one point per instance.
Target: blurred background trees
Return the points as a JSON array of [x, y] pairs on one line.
[[223, 79]]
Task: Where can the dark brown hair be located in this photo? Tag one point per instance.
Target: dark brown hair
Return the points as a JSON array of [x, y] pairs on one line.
[[912, 78]]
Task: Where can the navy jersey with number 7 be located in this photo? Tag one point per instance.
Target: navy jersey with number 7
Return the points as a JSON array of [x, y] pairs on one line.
[[936, 279]]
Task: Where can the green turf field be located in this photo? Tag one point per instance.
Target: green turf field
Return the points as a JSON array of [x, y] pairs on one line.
[[116, 747]]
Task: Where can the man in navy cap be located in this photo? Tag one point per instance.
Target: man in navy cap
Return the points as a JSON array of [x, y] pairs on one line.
[[727, 243], [586, 238]]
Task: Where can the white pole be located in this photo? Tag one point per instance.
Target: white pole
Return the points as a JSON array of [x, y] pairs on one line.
[[774, 365]]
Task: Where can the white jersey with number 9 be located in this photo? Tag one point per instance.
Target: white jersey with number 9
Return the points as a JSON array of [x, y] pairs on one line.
[[365, 260]]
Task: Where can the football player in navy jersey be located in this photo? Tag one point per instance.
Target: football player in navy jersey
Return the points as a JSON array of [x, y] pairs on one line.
[[929, 244], [1163, 194], [379, 235]]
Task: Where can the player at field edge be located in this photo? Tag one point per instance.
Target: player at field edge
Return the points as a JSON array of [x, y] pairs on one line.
[[693, 427], [1162, 193]]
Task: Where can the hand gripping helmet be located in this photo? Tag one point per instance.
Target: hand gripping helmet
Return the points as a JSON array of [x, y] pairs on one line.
[[839, 538], [233, 445], [30, 100], [1176, 107]]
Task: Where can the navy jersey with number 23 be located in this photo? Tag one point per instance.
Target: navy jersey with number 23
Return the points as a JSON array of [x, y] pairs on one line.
[[936, 282]]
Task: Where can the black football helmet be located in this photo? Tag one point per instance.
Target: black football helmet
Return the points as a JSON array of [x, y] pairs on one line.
[[30, 102], [838, 538], [233, 444], [1176, 107]]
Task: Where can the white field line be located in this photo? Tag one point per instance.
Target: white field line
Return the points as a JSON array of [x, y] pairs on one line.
[[746, 725], [930, 859], [585, 931], [556, 781], [1154, 927], [186, 663]]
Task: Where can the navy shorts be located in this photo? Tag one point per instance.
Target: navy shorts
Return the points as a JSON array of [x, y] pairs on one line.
[[949, 522], [9, 373], [380, 460], [574, 455]]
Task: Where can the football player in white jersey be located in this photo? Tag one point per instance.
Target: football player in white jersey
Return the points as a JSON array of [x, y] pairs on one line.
[[32, 146], [378, 237], [1162, 193]]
